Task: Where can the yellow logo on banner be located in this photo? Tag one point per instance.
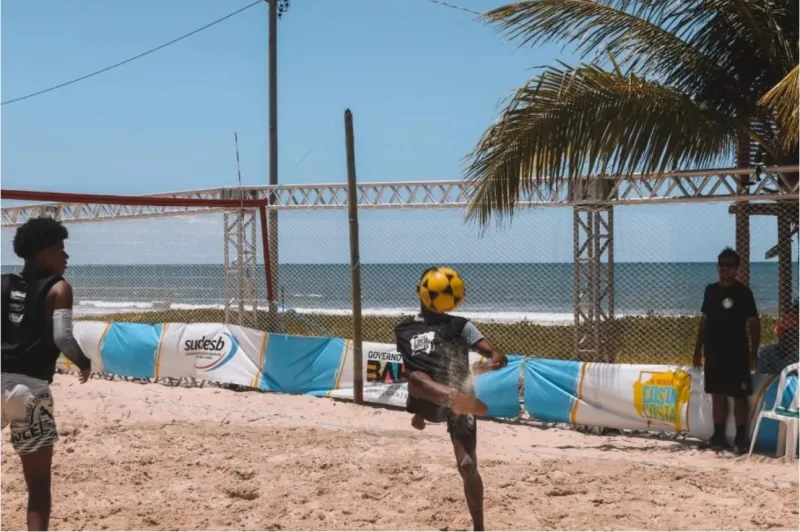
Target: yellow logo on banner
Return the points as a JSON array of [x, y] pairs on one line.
[[67, 362], [662, 396]]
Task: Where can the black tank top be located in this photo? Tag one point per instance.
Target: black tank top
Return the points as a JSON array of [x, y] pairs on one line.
[[433, 344], [28, 347]]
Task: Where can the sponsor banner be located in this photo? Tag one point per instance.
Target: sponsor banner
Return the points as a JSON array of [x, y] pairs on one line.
[[211, 351], [384, 373], [623, 396], [634, 397], [302, 364], [638, 397]]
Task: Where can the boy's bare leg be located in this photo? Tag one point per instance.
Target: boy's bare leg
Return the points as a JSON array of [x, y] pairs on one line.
[[36, 467], [467, 462]]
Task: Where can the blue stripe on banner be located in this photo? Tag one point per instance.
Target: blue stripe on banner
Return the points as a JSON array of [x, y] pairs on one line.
[[551, 387], [767, 440], [130, 349], [297, 364], [499, 389]]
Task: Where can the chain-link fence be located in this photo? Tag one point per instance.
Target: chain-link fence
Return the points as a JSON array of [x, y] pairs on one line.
[[525, 290], [200, 267]]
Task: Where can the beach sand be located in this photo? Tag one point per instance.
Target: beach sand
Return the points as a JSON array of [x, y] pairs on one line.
[[152, 457]]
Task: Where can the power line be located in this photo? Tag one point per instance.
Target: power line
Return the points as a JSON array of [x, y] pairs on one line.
[[106, 69], [453, 6]]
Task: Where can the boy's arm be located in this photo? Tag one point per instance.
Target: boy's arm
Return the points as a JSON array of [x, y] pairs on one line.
[[475, 339], [59, 303]]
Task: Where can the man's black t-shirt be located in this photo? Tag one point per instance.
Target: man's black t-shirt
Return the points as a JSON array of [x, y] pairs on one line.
[[727, 309]]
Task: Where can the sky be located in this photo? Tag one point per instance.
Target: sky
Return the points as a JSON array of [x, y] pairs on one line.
[[423, 81]]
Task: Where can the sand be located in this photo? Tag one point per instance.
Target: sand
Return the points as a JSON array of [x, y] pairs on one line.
[[152, 457]]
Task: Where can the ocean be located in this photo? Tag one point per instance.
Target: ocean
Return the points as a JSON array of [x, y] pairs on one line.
[[539, 292]]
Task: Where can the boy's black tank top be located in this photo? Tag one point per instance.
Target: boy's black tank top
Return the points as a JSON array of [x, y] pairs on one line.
[[433, 344], [28, 347]]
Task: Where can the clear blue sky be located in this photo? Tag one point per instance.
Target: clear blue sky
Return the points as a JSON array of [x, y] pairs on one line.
[[423, 82]]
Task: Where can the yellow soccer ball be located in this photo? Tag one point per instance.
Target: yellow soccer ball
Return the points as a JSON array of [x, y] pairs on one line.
[[441, 289]]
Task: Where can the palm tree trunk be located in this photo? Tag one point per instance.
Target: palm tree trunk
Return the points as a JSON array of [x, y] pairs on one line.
[[742, 212]]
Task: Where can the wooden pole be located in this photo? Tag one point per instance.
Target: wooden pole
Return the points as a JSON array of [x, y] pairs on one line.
[[355, 260], [273, 156]]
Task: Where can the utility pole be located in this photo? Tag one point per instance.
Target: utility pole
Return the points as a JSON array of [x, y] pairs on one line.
[[276, 9]]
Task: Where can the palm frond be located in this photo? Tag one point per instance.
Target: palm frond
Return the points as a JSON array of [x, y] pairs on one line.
[[754, 40], [782, 101], [569, 122], [639, 34]]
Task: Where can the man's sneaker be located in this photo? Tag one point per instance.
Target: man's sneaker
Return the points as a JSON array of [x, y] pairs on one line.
[[716, 443], [740, 447]]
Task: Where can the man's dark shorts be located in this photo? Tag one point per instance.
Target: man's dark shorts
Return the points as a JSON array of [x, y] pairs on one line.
[[462, 428], [728, 375]]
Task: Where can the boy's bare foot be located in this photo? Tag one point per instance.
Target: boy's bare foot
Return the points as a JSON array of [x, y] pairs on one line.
[[464, 404], [418, 422]]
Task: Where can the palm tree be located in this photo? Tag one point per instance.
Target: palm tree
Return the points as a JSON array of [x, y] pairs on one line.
[[662, 85]]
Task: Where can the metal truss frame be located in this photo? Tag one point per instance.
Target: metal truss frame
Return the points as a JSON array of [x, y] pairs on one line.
[[593, 242], [241, 267], [683, 187]]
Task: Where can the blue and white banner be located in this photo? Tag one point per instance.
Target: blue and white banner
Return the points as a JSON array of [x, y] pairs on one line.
[[622, 396], [639, 397]]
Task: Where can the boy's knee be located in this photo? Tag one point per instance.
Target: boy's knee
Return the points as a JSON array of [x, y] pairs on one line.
[[467, 467], [39, 498]]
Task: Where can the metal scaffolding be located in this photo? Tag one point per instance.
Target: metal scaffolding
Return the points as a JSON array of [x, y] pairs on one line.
[[240, 260]]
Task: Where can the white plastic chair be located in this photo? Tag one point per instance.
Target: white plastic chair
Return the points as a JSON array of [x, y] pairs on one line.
[[787, 418]]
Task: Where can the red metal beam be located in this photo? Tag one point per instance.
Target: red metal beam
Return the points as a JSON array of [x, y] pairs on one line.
[[68, 197]]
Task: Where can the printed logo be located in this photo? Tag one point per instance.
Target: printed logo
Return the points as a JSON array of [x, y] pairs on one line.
[[385, 367], [212, 353], [37, 428], [662, 396], [16, 295], [385, 356], [422, 343], [727, 303]]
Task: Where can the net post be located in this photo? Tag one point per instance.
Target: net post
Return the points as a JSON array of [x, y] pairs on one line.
[[265, 250], [355, 261]]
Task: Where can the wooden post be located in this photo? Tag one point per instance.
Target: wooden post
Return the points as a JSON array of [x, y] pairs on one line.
[[355, 260], [274, 13]]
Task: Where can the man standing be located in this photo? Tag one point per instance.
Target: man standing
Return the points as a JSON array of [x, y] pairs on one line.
[[36, 328], [729, 316], [435, 349]]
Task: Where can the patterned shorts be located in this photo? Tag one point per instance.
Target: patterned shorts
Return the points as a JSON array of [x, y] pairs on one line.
[[27, 406]]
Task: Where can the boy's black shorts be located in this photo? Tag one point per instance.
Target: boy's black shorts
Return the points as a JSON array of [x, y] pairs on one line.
[[462, 428]]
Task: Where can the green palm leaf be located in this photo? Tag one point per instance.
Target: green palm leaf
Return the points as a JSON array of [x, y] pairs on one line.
[[782, 101], [568, 122], [709, 49]]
